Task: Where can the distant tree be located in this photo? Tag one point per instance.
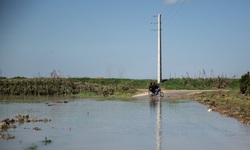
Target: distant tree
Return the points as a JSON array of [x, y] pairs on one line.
[[19, 77], [245, 84]]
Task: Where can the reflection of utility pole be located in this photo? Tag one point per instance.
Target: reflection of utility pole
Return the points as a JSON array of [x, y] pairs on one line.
[[158, 131], [159, 76]]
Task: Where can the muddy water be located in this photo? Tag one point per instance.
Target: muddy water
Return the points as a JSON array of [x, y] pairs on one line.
[[141, 124]]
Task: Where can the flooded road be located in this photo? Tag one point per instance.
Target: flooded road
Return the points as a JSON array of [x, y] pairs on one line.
[[141, 124]]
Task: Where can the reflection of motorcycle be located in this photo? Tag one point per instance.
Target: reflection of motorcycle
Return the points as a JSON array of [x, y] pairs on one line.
[[159, 92]]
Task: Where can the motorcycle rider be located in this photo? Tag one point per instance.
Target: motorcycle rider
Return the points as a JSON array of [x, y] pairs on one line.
[[154, 88], [151, 88]]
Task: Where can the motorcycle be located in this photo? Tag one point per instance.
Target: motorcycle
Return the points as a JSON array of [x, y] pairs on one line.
[[155, 93]]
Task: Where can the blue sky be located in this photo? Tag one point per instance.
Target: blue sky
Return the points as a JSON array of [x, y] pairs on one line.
[[114, 38]]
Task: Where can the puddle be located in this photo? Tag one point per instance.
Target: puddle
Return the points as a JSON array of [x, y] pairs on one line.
[[135, 125]]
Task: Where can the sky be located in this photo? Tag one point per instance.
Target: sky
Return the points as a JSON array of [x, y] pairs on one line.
[[117, 38]]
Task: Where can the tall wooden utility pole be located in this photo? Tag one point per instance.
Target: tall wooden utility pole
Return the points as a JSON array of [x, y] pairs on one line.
[[159, 75]]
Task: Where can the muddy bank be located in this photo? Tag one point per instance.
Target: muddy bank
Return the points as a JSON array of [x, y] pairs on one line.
[[227, 103], [10, 123]]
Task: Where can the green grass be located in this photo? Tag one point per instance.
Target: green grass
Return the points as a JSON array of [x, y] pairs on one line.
[[90, 87], [200, 83], [142, 83]]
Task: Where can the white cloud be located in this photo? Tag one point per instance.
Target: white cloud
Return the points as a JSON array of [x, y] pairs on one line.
[[173, 1]]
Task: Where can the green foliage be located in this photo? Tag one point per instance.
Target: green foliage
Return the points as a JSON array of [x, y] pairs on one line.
[[19, 77], [104, 86], [234, 84], [114, 81], [36, 86], [63, 86], [198, 83], [245, 84], [110, 86]]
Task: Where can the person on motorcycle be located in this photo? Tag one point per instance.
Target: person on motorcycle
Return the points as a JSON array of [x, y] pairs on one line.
[[151, 88], [156, 88]]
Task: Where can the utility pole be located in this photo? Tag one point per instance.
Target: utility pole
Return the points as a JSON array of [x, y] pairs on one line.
[[159, 75]]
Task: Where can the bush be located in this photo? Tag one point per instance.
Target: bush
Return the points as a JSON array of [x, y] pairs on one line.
[[65, 86], [37, 86], [245, 84], [198, 83]]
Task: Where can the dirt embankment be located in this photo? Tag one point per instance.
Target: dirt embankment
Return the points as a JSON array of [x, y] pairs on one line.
[[227, 103]]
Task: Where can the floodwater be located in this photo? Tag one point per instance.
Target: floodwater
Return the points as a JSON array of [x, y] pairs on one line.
[[141, 124]]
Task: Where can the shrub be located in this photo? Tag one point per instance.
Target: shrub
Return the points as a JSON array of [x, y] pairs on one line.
[[198, 83], [245, 84]]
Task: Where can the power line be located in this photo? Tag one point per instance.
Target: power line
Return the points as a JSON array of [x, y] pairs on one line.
[[171, 17], [171, 9], [162, 12]]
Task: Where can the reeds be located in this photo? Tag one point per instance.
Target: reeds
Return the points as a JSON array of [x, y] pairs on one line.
[[59, 86], [200, 83], [106, 87], [36, 86]]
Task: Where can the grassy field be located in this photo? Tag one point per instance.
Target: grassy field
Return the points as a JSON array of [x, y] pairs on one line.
[[201, 83], [70, 86], [104, 86]]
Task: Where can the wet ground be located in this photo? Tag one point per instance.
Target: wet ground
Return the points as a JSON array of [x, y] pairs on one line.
[[141, 124]]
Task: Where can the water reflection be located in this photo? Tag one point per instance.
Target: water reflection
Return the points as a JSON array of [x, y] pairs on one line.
[[156, 103], [153, 103]]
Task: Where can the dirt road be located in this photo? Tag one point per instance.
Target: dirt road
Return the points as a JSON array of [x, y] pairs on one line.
[[171, 93]]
